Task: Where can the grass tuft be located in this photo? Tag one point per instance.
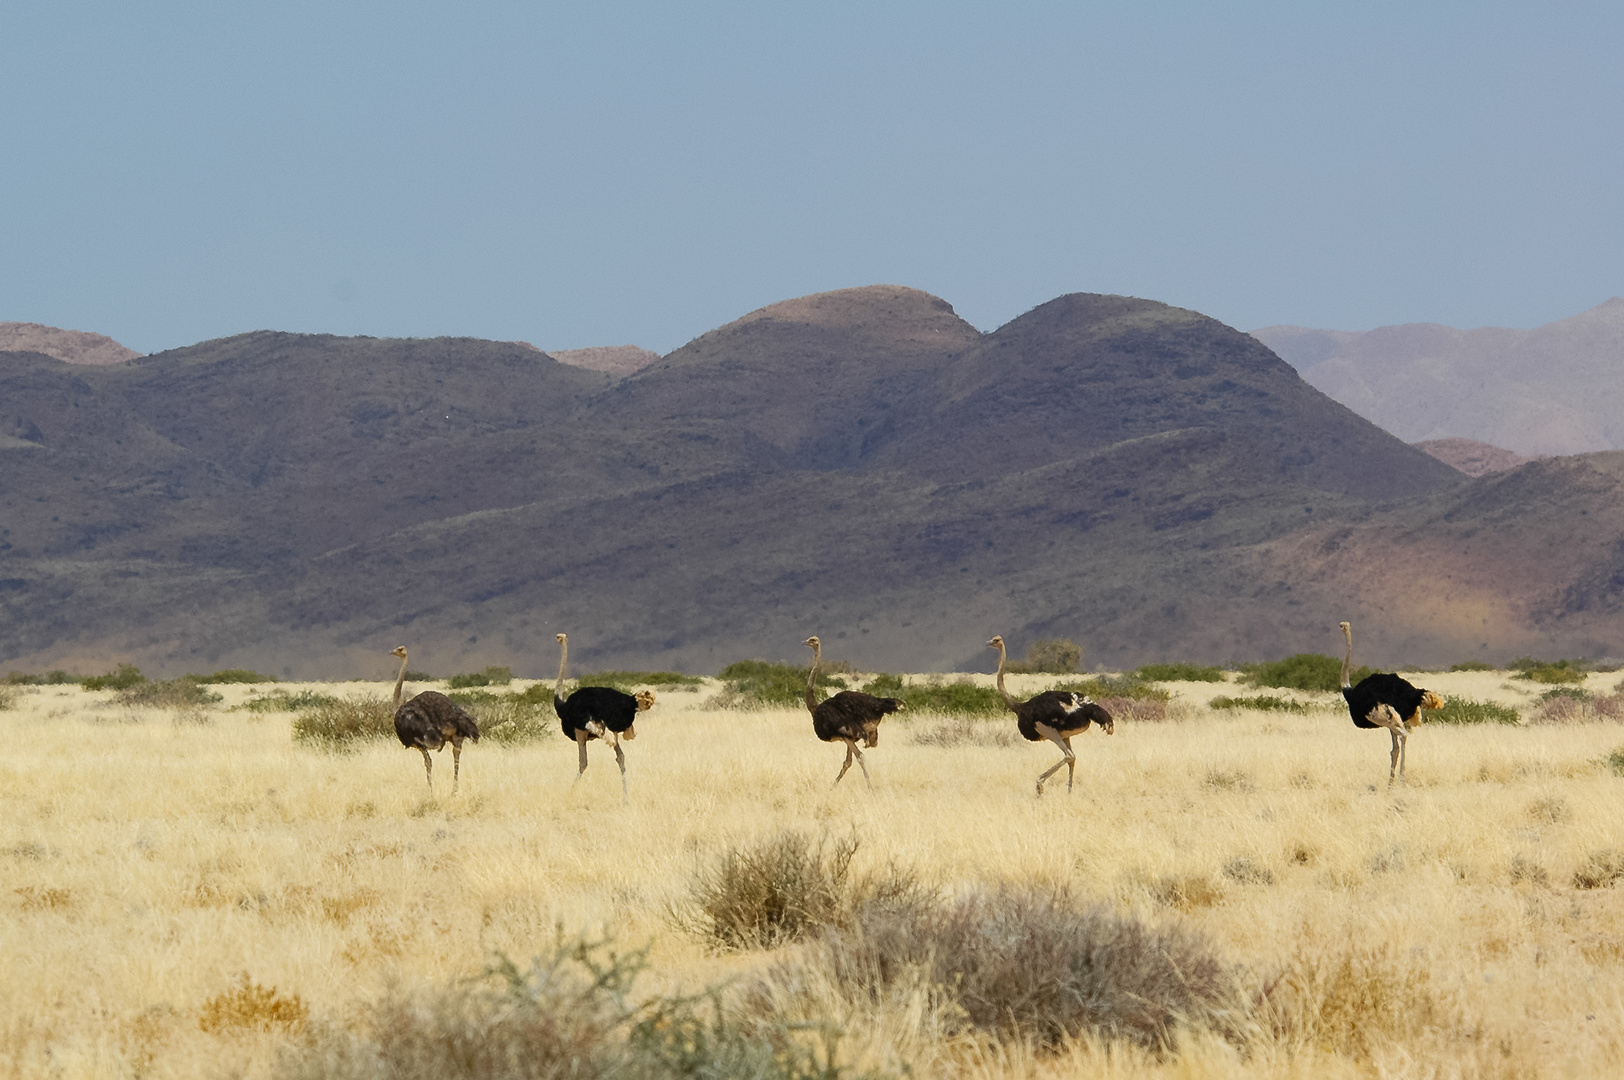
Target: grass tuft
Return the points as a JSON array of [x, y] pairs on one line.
[[1471, 665], [783, 888], [962, 731], [1049, 656], [1261, 702], [280, 700], [491, 676], [628, 681], [231, 675], [509, 719], [250, 1006], [939, 698], [1549, 672], [1601, 868], [1353, 999], [120, 678]]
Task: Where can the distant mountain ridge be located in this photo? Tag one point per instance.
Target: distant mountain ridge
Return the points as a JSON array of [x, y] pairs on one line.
[[860, 464], [1556, 389]]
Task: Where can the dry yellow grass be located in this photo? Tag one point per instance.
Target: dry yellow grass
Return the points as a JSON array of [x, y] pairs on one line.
[[1432, 929]]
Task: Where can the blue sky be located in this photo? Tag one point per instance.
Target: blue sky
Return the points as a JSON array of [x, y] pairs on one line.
[[614, 173]]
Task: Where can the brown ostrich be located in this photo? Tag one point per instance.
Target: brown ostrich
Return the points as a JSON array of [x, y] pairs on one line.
[[1055, 715], [429, 721]]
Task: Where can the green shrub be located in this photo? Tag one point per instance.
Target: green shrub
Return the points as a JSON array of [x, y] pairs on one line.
[[1263, 702], [1458, 710], [757, 684], [783, 888], [1049, 656], [339, 723], [491, 676], [1304, 671], [1561, 671], [1105, 687], [420, 676], [1471, 665], [231, 675], [938, 698], [283, 701], [1026, 964], [509, 719], [1615, 761], [120, 678], [1180, 672]]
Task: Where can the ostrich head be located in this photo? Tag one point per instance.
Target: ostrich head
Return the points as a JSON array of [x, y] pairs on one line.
[[813, 643], [1431, 700], [997, 642], [645, 700], [398, 650], [561, 638]]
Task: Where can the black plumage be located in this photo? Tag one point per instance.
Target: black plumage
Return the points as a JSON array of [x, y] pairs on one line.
[[597, 712], [428, 722], [1055, 715], [1385, 700], [850, 716]]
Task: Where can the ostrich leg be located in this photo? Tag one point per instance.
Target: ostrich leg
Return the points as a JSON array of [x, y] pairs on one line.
[[620, 759], [851, 748], [456, 766], [428, 769], [864, 765], [580, 741], [1065, 748]]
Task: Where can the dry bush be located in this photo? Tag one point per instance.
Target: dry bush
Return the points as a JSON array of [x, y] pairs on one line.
[[1351, 1000], [43, 899], [249, 1006], [1025, 965], [784, 888], [338, 723], [8, 695], [962, 731], [1144, 710]]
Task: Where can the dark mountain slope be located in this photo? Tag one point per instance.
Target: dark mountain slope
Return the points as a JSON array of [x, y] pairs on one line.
[[1085, 371], [860, 464]]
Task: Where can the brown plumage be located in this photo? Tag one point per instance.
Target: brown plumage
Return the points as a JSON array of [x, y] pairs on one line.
[[849, 716], [1055, 715], [429, 721]]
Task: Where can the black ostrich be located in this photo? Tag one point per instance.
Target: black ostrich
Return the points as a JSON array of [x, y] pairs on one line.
[[428, 722], [1055, 715], [848, 716], [1385, 701], [597, 712]]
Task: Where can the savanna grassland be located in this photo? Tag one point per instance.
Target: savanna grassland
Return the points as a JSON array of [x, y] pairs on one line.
[[191, 893]]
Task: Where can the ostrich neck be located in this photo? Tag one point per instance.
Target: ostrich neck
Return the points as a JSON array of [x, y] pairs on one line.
[[811, 676], [1009, 702], [563, 655], [1347, 661], [400, 681]]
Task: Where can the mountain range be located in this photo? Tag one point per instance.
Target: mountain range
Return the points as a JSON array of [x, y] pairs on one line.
[[1556, 389], [861, 464]]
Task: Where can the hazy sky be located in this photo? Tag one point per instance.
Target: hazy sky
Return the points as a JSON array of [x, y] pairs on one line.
[[605, 173]]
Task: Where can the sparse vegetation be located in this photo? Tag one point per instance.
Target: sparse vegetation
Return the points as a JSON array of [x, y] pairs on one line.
[[490, 676], [1262, 702], [757, 684], [1601, 869], [8, 694], [1304, 671], [250, 1006], [1551, 673], [57, 677], [182, 693], [1471, 665], [1460, 710], [629, 681], [280, 700], [231, 675], [1179, 672], [338, 723], [573, 1014], [963, 731]]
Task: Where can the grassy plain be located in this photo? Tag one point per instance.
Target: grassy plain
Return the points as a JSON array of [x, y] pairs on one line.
[[1444, 927]]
